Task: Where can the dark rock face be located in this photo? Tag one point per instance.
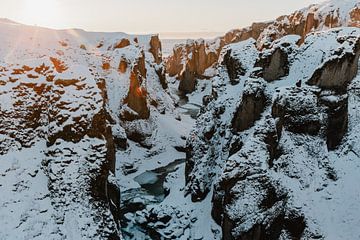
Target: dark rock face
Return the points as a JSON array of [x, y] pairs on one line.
[[338, 72], [160, 71], [203, 55], [200, 184], [244, 179], [237, 186], [234, 67], [337, 118], [274, 65], [195, 54], [252, 105], [120, 142], [298, 111], [304, 116], [187, 80], [188, 62]]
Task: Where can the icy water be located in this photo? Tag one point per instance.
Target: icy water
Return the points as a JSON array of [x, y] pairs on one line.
[[191, 109], [152, 191], [153, 181]]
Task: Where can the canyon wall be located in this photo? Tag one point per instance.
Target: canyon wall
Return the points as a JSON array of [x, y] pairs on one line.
[[190, 60]]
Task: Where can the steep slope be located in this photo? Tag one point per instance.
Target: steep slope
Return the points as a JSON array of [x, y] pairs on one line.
[[191, 60], [276, 144], [66, 101]]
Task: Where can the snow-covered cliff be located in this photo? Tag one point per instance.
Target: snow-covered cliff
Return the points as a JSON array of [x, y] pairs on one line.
[[67, 99]]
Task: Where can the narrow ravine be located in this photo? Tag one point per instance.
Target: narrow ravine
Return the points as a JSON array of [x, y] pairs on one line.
[[148, 188]]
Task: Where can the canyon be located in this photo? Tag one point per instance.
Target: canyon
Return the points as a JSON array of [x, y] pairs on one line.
[[252, 135]]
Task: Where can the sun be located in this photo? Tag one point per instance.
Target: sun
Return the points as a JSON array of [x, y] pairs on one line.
[[41, 12]]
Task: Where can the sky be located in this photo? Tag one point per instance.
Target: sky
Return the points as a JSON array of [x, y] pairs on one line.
[[148, 16]]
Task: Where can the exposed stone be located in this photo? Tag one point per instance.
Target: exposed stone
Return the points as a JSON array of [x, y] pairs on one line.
[[187, 80], [274, 65], [155, 48], [298, 110], [160, 71], [252, 105], [355, 17], [122, 43], [137, 96], [337, 72], [300, 23], [234, 67], [337, 120], [123, 65]]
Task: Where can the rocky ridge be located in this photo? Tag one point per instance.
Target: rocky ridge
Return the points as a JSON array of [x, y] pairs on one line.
[[276, 132], [191, 61]]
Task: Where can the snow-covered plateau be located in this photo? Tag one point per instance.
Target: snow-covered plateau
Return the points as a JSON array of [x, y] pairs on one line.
[[251, 136]]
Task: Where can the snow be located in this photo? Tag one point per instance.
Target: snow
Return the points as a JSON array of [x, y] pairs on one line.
[[305, 167], [340, 8], [46, 189], [46, 181]]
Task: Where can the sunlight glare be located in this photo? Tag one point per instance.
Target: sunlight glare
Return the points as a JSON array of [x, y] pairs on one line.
[[41, 12]]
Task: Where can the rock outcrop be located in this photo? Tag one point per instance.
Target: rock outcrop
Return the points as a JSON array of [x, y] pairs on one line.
[[187, 80], [274, 65], [155, 49], [252, 104], [137, 96], [297, 110], [234, 67], [316, 17], [337, 118], [259, 166], [337, 72]]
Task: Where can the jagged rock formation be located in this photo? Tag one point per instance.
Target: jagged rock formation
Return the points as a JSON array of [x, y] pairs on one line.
[[253, 102], [136, 98], [274, 64], [234, 67], [338, 72], [284, 132], [197, 56], [61, 122]]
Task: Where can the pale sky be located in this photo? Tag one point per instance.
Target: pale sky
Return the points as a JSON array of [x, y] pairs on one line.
[[147, 16]]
